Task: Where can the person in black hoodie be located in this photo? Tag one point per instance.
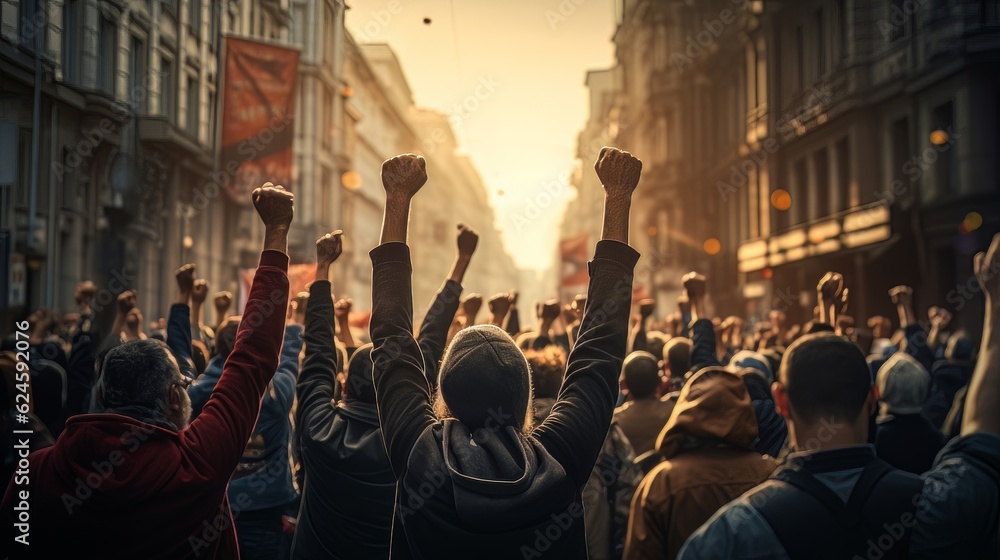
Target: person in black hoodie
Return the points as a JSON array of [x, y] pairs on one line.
[[347, 500], [473, 481]]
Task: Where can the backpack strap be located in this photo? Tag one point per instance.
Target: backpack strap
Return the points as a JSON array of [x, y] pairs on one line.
[[811, 521]]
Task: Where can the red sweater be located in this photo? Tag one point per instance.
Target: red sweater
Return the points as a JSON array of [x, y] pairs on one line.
[[116, 487]]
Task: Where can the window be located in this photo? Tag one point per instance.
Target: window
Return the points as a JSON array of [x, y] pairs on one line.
[[900, 150], [898, 15], [109, 51], [138, 94], [843, 172], [211, 117], [214, 16], [844, 28], [167, 89], [194, 17], [71, 41], [821, 162], [800, 190], [800, 69], [329, 44], [31, 24], [945, 170], [820, 43], [192, 106]]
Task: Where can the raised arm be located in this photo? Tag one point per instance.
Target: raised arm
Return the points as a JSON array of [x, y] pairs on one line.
[[981, 411], [220, 432], [319, 367], [915, 336], [499, 306], [179, 321], [434, 330], [575, 429], [513, 319], [80, 369], [702, 330], [637, 338], [282, 392], [223, 301], [199, 293], [401, 391]]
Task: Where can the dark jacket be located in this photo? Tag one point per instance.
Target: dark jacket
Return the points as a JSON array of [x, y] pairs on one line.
[[166, 497], [908, 442], [946, 380], [263, 477], [349, 489], [505, 495]]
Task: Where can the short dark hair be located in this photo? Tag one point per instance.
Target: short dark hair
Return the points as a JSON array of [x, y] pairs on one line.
[[641, 372], [677, 353], [825, 375], [547, 368], [139, 372]]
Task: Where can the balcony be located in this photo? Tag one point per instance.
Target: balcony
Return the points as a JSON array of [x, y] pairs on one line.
[[852, 229]]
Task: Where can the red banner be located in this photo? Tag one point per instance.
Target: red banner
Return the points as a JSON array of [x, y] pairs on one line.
[[574, 271], [258, 114]]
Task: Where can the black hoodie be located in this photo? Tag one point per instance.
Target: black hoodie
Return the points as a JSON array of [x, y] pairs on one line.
[[502, 494]]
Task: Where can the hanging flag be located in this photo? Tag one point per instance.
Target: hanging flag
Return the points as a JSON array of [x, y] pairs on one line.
[[574, 261], [258, 114]]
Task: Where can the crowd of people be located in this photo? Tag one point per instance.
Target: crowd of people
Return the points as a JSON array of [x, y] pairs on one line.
[[599, 430]]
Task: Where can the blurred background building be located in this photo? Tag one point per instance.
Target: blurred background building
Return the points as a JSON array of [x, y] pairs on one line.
[[109, 131], [784, 139]]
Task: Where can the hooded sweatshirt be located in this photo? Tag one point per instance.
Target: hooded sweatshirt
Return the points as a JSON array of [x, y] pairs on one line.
[[490, 491], [116, 487], [708, 445]]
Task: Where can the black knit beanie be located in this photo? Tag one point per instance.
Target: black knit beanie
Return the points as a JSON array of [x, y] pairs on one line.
[[485, 379]]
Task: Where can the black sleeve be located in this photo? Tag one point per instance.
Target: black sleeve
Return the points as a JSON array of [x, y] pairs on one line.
[[315, 387], [80, 370], [703, 345], [179, 338], [574, 431], [916, 345], [638, 341], [513, 322], [401, 390], [434, 330]]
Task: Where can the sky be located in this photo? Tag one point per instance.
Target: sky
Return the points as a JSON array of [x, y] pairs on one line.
[[511, 74]]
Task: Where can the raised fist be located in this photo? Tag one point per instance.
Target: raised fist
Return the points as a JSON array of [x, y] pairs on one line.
[[499, 304], [299, 308], [694, 285], [126, 301], [939, 317], [986, 266], [901, 295], [568, 314], [647, 307], [185, 278], [342, 308], [84, 292], [618, 170], [470, 306], [403, 175], [200, 290], [222, 301], [513, 297], [133, 319], [274, 205], [830, 286], [467, 240], [329, 247], [550, 310]]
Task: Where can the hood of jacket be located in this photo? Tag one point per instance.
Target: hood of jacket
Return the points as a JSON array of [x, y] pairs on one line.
[[713, 405]]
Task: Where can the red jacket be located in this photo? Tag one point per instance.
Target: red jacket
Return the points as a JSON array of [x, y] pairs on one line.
[[116, 487]]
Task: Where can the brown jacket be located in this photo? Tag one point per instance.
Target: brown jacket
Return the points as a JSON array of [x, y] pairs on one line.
[[707, 443], [642, 421]]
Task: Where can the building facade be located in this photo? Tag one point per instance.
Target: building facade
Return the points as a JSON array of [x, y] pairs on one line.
[[782, 140], [107, 124]]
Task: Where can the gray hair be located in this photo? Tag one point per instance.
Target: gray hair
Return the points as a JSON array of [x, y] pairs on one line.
[[902, 384], [138, 374]]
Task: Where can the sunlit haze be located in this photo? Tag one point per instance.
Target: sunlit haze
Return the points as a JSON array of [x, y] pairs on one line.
[[521, 135]]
